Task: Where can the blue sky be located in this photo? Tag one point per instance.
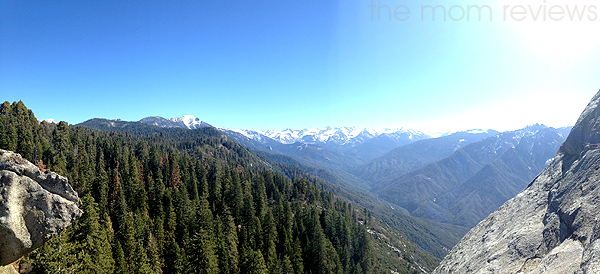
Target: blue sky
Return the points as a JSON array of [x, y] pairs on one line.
[[279, 64]]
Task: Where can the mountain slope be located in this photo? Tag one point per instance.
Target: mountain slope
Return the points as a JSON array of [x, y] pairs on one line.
[[314, 155], [431, 236], [436, 238], [390, 250], [418, 154], [450, 191], [466, 186], [552, 225]]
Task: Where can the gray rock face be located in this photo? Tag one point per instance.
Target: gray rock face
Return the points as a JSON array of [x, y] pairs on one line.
[[552, 226], [34, 205]]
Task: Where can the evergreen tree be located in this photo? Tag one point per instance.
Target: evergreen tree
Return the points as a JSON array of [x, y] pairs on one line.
[[252, 262], [97, 254], [174, 259], [296, 257], [153, 253], [227, 245], [58, 255], [184, 201], [269, 241], [320, 254], [203, 257]]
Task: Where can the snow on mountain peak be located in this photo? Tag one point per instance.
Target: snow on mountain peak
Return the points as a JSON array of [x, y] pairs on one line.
[[186, 121], [189, 121], [338, 135], [49, 121], [477, 131]]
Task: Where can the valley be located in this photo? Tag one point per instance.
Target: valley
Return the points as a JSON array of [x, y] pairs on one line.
[[431, 188], [299, 137]]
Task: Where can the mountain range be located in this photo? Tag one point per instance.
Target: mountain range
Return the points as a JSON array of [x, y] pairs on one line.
[[466, 186], [552, 225], [220, 145], [418, 154], [171, 198], [454, 180], [344, 136]]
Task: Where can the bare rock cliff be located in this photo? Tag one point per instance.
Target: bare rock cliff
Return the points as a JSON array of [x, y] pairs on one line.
[[34, 205], [552, 226]]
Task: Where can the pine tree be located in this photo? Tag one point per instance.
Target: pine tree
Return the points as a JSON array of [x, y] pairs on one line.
[[171, 218], [260, 197], [252, 262], [97, 255], [3, 134], [214, 187], [269, 241], [58, 255], [227, 249], [296, 257], [153, 253], [175, 176], [285, 225], [101, 190], [203, 257], [174, 259], [322, 257]]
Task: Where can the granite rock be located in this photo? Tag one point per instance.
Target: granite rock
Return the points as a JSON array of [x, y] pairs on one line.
[[34, 205]]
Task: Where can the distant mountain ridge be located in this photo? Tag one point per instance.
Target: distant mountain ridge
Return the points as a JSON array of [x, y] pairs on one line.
[[418, 154], [472, 182], [186, 121], [344, 136], [445, 180], [552, 225], [318, 161]]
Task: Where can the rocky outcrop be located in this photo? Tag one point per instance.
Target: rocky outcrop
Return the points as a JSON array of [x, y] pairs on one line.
[[34, 205], [8, 269], [552, 226]]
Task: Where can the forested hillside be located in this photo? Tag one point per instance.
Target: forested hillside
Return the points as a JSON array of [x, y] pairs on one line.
[[194, 201]]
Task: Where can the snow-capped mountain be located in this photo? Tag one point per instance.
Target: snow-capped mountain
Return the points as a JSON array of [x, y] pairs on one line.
[[189, 121], [344, 136], [186, 121], [470, 183], [528, 138], [49, 121]]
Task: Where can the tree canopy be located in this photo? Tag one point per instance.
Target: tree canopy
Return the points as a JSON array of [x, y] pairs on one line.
[[188, 201]]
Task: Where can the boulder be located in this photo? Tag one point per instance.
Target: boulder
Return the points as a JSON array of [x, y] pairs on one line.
[[8, 269], [34, 205], [552, 226]]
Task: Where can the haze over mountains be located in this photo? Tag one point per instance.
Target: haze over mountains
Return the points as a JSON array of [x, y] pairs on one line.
[[459, 178], [204, 196], [551, 226], [473, 181], [344, 136], [456, 179]]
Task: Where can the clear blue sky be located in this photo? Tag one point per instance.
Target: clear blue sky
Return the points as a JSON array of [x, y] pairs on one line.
[[299, 63]]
